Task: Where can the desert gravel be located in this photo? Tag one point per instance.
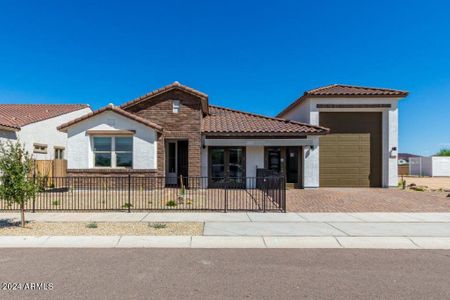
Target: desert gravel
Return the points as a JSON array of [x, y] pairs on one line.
[[103, 228]]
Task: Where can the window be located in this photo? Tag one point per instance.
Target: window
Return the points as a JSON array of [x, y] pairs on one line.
[[176, 106], [59, 152], [39, 148], [113, 152]]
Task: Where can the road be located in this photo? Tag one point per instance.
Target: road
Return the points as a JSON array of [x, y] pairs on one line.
[[227, 273]]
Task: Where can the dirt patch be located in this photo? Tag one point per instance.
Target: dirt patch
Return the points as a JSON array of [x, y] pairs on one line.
[[101, 228], [434, 183]]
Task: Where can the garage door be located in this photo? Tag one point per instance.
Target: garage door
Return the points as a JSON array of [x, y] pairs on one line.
[[350, 156]]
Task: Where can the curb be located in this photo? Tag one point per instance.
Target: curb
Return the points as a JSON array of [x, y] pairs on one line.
[[236, 242]]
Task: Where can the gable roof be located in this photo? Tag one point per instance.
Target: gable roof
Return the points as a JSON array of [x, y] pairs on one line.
[[175, 85], [115, 109], [225, 121], [15, 116], [353, 90], [343, 90]]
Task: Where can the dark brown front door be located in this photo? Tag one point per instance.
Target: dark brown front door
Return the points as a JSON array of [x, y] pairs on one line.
[[291, 164]]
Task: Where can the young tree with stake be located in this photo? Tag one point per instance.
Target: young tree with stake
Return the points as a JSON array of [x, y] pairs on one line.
[[16, 166]]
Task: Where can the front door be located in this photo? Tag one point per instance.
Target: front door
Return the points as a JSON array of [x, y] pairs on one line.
[[176, 161], [292, 164], [227, 165]]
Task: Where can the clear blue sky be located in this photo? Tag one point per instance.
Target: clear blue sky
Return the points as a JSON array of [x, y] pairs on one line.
[[251, 55]]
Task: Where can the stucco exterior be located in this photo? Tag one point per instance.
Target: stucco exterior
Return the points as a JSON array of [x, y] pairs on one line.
[[80, 155], [43, 132], [307, 112]]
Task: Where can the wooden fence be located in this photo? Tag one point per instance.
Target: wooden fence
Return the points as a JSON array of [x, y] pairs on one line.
[[51, 168]]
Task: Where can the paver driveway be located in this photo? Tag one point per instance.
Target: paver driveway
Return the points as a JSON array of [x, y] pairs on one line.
[[366, 200]]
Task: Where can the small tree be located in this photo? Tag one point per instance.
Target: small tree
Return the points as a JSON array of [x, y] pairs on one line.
[[443, 152], [16, 166]]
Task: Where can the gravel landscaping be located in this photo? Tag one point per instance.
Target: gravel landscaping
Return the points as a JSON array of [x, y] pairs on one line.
[[101, 228]]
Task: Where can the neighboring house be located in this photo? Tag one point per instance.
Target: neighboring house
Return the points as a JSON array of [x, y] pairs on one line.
[[34, 125], [361, 149], [429, 166], [403, 158], [174, 131]]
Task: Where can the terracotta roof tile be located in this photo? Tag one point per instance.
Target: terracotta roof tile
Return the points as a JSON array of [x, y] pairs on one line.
[[17, 115], [342, 90], [227, 121], [353, 90], [115, 109]]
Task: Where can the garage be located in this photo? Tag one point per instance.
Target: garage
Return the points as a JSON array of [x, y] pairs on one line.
[[351, 155]]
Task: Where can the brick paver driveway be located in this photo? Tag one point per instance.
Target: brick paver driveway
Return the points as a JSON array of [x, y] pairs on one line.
[[366, 200]]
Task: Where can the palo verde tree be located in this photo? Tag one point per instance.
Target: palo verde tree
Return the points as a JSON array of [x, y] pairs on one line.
[[443, 152], [16, 166]]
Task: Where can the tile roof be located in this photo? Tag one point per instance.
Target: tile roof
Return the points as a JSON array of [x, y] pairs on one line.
[[115, 109], [174, 85], [223, 121], [353, 90], [343, 90], [15, 116]]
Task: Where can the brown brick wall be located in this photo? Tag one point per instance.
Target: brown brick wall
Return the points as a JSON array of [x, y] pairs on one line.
[[183, 125]]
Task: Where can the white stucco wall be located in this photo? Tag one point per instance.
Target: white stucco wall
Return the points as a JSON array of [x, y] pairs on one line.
[[307, 111], [429, 166], [44, 132], [79, 148], [441, 166], [311, 164]]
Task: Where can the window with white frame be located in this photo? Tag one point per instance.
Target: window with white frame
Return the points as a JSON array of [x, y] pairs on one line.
[[59, 152], [40, 148], [113, 151], [176, 106]]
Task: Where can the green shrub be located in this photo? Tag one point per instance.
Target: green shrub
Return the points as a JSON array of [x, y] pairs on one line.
[[127, 205], [157, 225], [91, 225], [55, 203], [171, 203]]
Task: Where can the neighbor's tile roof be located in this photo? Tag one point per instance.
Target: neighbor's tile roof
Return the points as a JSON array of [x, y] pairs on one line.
[[227, 121], [115, 109], [353, 90], [17, 115], [343, 90]]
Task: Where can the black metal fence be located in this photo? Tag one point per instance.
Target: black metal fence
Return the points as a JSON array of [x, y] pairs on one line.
[[129, 193]]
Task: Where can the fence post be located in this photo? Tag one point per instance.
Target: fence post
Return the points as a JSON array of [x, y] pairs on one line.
[[283, 185], [264, 193], [34, 196], [129, 193], [226, 195]]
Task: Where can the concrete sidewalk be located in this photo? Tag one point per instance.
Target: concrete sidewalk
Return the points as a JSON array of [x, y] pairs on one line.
[[232, 217], [258, 230]]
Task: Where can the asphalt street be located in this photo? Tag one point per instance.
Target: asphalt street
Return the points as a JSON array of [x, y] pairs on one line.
[[225, 273]]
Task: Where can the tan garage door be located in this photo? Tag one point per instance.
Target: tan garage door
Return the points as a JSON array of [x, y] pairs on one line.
[[350, 156], [345, 160]]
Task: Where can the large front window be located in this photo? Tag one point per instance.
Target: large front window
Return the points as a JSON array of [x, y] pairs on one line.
[[113, 152]]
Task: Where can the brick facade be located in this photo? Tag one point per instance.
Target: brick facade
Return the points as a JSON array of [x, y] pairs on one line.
[[184, 125]]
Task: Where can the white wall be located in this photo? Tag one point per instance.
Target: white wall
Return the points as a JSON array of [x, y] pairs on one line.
[[80, 155], [311, 165], [441, 166], [44, 132], [429, 166], [307, 111]]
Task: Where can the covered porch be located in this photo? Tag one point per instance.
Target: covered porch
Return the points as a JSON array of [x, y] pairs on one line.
[[295, 159]]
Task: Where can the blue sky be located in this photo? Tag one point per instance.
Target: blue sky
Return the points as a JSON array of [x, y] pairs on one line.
[[251, 55]]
